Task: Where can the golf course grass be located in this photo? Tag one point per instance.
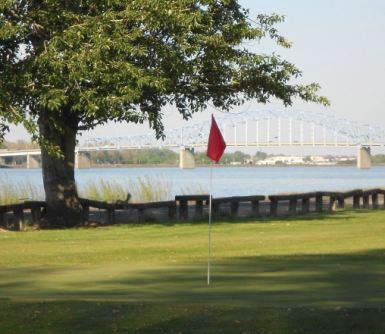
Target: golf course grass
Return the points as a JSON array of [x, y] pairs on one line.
[[314, 274]]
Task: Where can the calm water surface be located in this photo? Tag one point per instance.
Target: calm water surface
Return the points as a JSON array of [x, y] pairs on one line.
[[228, 181]]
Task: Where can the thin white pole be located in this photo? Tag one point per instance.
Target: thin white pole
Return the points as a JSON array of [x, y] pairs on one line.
[[210, 215]]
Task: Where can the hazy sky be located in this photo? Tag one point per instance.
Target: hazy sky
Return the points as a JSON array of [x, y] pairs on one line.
[[337, 43]]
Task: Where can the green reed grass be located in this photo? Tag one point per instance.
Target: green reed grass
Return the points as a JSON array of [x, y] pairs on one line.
[[11, 192], [104, 190], [141, 189]]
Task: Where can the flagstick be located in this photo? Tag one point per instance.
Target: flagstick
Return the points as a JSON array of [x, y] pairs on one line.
[[210, 215]]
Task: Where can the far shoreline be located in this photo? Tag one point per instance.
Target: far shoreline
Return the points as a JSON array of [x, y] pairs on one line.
[[118, 166]]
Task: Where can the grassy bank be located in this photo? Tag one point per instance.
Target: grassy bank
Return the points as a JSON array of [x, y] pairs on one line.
[[317, 274]]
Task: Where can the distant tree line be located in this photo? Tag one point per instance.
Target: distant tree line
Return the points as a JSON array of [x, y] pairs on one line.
[[166, 157], [378, 159], [152, 156]]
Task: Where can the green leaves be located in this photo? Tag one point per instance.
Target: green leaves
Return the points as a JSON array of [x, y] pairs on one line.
[[95, 61]]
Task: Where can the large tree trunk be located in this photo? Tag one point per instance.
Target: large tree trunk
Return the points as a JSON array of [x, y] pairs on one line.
[[63, 206]]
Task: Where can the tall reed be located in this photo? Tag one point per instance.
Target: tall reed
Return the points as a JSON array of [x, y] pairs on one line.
[[11, 192], [141, 189]]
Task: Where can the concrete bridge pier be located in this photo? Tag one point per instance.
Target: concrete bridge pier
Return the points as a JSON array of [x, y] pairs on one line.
[[32, 162], [186, 158], [364, 160], [82, 160]]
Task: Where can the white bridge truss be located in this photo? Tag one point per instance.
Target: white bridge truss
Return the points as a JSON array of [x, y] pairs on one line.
[[261, 128]]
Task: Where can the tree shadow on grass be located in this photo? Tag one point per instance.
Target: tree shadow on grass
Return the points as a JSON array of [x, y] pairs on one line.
[[343, 280], [335, 215], [336, 293], [113, 317]]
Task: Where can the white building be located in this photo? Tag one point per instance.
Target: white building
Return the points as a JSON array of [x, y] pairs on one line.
[[283, 159]]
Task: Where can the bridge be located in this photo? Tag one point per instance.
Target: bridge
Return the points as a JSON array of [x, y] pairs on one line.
[[249, 129]]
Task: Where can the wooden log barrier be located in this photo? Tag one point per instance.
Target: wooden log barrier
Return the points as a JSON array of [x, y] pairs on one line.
[[235, 202], [371, 194], [35, 207], [273, 206], [375, 201], [356, 201], [3, 222], [293, 206], [183, 203], [319, 202], [110, 216], [18, 215], [86, 212], [255, 207], [293, 201], [234, 205], [382, 192], [109, 209], [354, 194], [332, 200], [218, 202], [142, 207], [199, 209], [305, 205], [341, 202]]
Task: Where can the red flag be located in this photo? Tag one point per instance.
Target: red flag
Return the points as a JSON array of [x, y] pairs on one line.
[[216, 145]]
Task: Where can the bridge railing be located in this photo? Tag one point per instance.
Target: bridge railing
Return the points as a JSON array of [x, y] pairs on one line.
[[195, 207]]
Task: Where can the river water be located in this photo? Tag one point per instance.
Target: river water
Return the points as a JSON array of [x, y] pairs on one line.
[[227, 181]]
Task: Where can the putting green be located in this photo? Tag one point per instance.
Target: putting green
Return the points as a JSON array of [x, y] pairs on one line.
[[260, 269]]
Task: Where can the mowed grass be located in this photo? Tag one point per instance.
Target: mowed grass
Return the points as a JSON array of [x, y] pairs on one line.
[[315, 274]]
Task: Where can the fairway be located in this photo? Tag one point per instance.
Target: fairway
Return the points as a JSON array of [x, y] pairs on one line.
[[315, 274]]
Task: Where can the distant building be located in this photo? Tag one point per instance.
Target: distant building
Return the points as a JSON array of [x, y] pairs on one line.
[[283, 159], [317, 160]]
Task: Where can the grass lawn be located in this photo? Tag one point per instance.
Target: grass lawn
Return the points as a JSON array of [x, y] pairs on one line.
[[317, 274]]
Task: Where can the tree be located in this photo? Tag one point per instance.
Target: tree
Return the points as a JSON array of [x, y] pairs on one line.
[[260, 155], [68, 66]]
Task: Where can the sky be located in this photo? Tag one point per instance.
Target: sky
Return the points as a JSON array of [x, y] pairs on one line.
[[336, 43]]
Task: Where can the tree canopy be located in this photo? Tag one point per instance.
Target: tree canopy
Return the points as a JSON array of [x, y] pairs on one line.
[[68, 66], [95, 61]]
